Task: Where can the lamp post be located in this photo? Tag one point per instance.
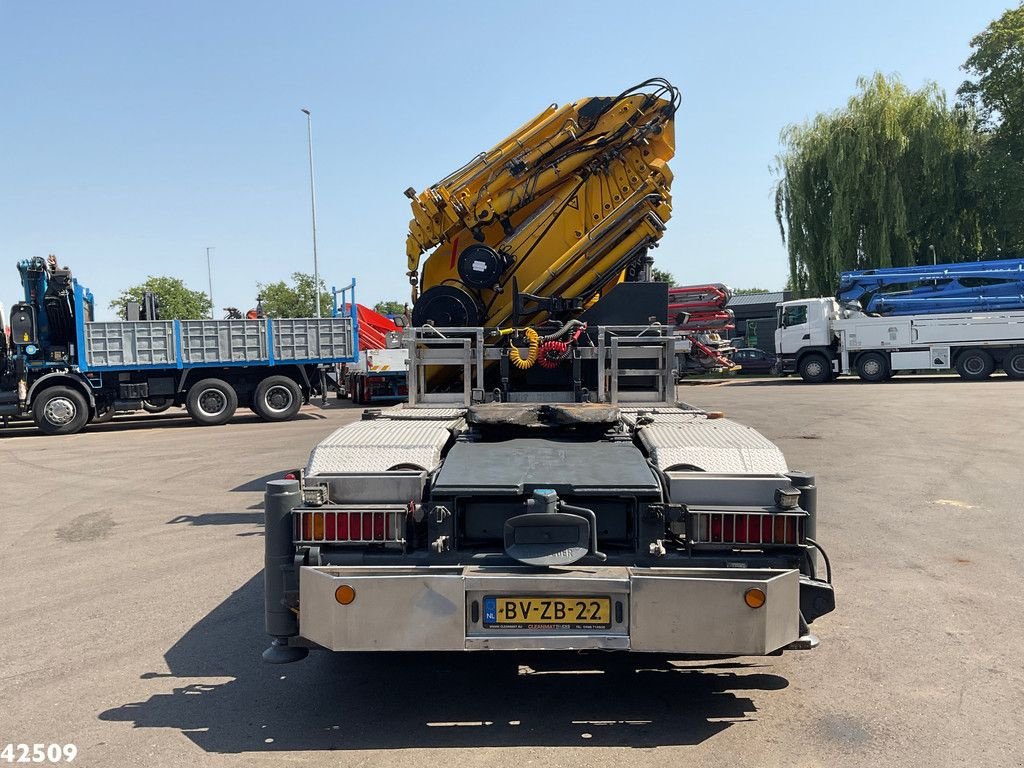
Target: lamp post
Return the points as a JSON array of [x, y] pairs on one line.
[[209, 277], [312, 204]]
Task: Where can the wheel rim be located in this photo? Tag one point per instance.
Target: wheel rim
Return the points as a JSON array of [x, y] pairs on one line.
[[872, 367], [974, 364], [814, 368], [212, 402], [1017, 365], [278, 398], [60, 411]]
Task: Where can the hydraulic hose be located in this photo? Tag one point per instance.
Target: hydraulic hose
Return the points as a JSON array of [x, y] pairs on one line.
[[563, 330]]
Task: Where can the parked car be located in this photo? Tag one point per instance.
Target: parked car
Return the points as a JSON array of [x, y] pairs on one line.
[[753, 360]]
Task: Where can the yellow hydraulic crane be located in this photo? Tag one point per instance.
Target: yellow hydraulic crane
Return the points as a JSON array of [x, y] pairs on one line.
[[540, 225]]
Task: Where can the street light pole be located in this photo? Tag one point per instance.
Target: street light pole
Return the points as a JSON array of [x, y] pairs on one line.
[[312, 204], [209, 277]]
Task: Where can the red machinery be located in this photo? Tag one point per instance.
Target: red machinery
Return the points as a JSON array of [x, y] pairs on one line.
[[701, 319], [373, 328]]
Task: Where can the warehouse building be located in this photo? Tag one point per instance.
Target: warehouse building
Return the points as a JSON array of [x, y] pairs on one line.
[[755, 318]]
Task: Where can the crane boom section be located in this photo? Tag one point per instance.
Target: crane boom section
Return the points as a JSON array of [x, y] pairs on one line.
[[560, 208]]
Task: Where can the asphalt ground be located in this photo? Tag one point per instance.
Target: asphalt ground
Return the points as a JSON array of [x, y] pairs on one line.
[[131, 590]]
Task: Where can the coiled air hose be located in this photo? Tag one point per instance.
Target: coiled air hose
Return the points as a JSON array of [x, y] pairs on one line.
[[551, 353], [516, 356]]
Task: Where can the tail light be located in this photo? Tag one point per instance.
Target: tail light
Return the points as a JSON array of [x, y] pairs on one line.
[[748, 528], [384, 524]]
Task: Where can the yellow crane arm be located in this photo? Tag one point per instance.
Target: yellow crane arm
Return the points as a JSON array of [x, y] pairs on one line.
[[562, 206]]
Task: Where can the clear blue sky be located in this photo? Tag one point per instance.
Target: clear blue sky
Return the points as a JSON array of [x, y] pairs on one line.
[[135, 134]]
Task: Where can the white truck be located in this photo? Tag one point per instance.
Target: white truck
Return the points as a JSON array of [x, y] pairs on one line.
[[819, 339], [379, 375]]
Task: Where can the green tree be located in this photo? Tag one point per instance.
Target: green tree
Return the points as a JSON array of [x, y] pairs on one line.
[[995, 92], [876, 183], [390, 307], [176, 300], [295, 300], [742, 291], [662, 276]]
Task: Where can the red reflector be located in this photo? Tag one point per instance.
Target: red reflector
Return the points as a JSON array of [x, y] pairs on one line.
[[753, 529], [290, 476], [331, 526]]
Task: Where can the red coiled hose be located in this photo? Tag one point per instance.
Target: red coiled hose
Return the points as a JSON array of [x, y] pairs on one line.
[[551, 353]]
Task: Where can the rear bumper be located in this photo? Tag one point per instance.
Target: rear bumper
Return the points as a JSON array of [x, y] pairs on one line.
[[669, 610]]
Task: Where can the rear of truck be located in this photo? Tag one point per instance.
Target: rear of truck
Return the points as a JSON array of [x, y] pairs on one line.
[[649, 527], [541, 489]]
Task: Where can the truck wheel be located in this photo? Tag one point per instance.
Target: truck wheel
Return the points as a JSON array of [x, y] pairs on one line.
[[975, 365], [157, 404], [60, 411], [814, 368], [358, 392], [1013, 363], [872, 366], [211, 402], [277, 398]]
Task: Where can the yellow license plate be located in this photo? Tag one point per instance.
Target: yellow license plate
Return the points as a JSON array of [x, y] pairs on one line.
[[583, 612]]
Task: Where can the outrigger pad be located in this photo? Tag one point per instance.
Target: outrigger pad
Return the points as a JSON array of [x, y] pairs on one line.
[[509, 414], [583, 413], [279, 652], [533, 414]]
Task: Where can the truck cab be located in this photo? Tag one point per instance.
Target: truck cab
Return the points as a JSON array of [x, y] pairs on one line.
[[805, 337]]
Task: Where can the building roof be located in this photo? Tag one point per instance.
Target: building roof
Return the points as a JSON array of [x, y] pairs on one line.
[[747, 299]]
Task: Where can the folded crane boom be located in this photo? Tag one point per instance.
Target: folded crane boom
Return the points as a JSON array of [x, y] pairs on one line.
[[558, 212]]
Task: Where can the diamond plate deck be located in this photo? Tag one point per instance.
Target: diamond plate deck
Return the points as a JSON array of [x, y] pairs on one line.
[[423, 414], [380, 444], [712, 445]]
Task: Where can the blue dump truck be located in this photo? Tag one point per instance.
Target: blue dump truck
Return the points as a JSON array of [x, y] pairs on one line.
[[62, 369]]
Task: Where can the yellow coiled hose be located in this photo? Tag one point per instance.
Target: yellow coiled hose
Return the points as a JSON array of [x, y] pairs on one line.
[[514, 355]]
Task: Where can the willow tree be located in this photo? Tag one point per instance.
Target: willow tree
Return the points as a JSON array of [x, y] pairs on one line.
[[995, 91], [876, 183]]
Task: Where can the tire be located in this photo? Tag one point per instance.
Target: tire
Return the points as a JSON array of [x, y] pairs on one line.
[[358, 391], [277, 398], [815, 369], [60, 411], [975, 365], [873, 367], [211, 402], [157, 404], [1013, 363]]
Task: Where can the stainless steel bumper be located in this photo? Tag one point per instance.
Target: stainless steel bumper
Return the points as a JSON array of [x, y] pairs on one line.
[[673, 610]]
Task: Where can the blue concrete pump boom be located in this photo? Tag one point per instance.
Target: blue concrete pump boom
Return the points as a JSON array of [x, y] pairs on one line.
[[943, 288]]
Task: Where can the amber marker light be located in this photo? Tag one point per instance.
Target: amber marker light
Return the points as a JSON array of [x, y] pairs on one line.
[[754, 597], [344, 594]]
